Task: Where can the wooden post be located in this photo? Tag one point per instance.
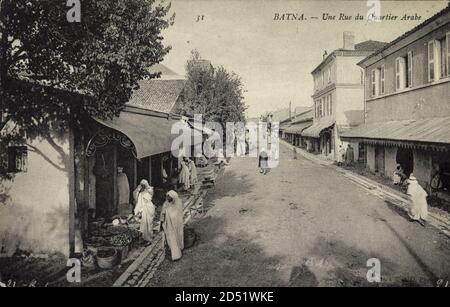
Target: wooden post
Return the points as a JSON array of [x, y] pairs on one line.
[[115, 192], [135, 179], [150, 170]]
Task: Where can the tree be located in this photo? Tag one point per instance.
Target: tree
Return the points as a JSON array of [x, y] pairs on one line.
[[216, 94], [102, 58], [54, 74]]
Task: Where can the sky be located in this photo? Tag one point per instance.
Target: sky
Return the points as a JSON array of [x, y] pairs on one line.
[[275, 58]]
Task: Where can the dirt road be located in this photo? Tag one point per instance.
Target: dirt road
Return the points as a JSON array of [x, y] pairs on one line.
[[303, 225]]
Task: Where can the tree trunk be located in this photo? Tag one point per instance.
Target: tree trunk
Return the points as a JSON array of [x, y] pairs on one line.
[[3, 65], [71, 174]]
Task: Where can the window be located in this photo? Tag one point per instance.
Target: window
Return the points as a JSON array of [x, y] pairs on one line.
[[448, 53], [331, 104], [320, 107], [382, 80], [442, 52], [375, 80], [431, 69], [373, 84], [409, 64], [17, 159], [400, 73]]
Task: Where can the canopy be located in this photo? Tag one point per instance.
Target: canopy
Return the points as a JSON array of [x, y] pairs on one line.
[[431, 130], [298, 127], [150, 135], [315, 130]]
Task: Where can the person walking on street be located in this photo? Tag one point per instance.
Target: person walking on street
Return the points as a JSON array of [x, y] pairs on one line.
[[263, 162], [172, 224], [418, 210], [145, 209]]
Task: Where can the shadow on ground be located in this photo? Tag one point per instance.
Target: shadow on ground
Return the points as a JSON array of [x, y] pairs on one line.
[[229, 184], [220, 259]]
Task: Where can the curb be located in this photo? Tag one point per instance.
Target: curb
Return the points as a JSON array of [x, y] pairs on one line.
[[377, 189]]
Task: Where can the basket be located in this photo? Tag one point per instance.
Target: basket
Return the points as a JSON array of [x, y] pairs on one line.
[[94, 243], [94, 225], [189, 238], [106, 257]]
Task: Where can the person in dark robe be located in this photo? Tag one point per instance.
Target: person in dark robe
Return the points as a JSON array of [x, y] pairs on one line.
[[263, 162]]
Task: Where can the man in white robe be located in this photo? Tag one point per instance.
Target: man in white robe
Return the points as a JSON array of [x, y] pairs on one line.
[[418, 211]]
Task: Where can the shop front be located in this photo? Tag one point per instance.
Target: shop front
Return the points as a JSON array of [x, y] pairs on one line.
[[119, 154], [320, 137]]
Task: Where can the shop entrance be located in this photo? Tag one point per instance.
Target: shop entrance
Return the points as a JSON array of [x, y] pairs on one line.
[[405, 158], [114, 173], [379, 159], [104, 174]]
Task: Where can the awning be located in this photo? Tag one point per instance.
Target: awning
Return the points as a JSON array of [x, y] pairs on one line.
[[432, 130], [284, 126], [315, 130], [150, 135], [298, 128]]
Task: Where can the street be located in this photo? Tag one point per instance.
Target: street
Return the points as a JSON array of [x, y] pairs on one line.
[[303, 224]]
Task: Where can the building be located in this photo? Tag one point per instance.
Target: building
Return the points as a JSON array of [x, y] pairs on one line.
[[408, 104], [299, 122], [73, 174], [283, 117], [338, 96]]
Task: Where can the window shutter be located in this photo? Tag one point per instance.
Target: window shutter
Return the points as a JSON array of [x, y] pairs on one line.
[[448, 53], [373, 83], [382, 83], [397, 74], [328, 105], [331, 104], [409, 73], [431, 68]]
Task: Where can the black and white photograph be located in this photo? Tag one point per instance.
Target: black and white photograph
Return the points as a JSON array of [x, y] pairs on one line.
[[234, 147]]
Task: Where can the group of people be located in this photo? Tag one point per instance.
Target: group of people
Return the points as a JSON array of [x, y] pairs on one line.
[[188, 174], [346, 155], [171, 217]]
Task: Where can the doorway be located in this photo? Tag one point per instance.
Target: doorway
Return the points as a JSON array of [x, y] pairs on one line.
[[405, 158], [379, 160]]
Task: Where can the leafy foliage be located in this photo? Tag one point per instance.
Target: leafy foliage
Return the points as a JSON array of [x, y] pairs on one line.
[[53, 72], [214, 93]]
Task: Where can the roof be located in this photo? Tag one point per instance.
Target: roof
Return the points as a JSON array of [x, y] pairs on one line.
[[281, 115], [300, 110], [431, 130], [305, 116], [166, 73], [315, 130], [365, 48], [298, 128], [157, 95], [370, 45], [406, 34]]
